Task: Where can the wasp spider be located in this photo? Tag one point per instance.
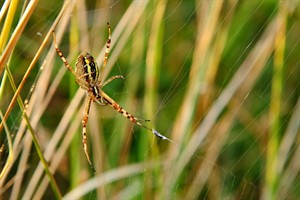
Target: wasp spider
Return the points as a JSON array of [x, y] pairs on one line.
[[89, 78]]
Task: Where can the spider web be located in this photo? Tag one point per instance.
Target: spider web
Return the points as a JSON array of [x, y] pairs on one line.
[[205, 73]]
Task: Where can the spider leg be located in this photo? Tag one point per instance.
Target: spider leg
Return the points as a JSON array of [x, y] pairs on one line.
[[62, 56], [111, 79], [106, 53], [133, 119], [86, 111], [101, 101], [155, 132], [144, 120]]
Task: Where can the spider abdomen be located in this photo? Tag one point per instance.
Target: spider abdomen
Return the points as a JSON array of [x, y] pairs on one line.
[[87, 70]]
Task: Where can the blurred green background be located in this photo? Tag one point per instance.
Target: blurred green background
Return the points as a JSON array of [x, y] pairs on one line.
[[219, 78]]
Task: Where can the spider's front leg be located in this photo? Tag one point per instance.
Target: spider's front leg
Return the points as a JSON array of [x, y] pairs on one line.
[[60, 54], [111, 79], [87, 106]]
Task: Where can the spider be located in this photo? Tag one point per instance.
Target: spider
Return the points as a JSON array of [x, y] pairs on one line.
[[89, 78]]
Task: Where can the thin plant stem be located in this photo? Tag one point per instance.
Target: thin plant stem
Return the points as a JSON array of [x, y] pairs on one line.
[[153, 64], [16, 35], [275, 111], [10, 150], [34, 138], [8, 22], [76, 141], [30, 68], [4, 37]]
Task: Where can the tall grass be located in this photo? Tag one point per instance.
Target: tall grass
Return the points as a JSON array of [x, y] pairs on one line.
[[220, 78]]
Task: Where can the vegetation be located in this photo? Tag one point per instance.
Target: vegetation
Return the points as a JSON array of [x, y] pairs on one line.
[[220, 78]]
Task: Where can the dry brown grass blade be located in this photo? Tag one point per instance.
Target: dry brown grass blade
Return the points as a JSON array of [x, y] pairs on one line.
[[221, 137], [59, 153], [4, 8], [122, 32], [8, 50], [207, 28], [223, 126], [16, 35], [59, 133], [38, 110], [208, 163], [108, 177], [255, 61], [289, 169]]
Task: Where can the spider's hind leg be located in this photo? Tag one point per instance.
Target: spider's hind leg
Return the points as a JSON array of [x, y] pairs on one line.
[[87, 106], [133, 119]]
